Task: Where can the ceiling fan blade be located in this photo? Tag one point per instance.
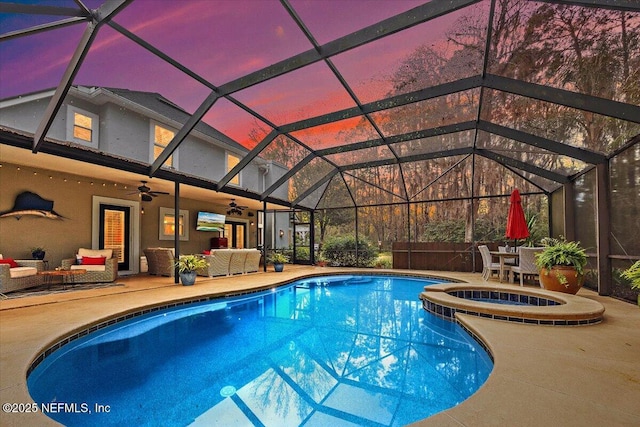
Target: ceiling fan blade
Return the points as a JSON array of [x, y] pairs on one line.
[[155, 193]]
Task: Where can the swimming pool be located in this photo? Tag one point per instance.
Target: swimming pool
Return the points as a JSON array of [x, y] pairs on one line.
[[343, 350]]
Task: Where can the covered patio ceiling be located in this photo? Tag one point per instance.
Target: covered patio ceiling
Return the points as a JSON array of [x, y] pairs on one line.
[[366, 103]]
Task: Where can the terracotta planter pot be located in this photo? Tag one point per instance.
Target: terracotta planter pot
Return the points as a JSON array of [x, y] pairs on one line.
[[549, 279]]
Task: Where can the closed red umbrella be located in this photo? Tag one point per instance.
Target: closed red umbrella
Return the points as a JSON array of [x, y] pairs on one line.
[[516, 222]]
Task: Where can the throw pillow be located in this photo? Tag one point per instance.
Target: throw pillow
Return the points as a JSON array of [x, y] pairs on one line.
[[10, 261], [93, 260], [206, 252]]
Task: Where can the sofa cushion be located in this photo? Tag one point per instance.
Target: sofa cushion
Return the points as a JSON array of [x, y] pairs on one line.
[[17, 272], [93, 260], [107, 253], [89, 267], [10, 261]]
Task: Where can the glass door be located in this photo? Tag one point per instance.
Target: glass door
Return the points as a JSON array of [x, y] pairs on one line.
[[236, 233], [301, 221]]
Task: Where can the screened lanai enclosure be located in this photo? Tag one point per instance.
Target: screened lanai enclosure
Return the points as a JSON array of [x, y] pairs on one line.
[[397, 124]]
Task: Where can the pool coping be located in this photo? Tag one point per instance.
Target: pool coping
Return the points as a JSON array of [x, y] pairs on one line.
[[569, 310]]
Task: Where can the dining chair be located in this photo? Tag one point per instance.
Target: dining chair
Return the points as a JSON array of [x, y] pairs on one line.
[[488, 267], [527, 263]]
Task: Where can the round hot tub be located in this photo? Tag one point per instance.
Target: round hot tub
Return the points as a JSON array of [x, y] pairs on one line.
[[504, 302]]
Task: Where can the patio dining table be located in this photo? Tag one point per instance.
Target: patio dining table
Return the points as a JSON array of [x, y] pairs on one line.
[[502, 256]]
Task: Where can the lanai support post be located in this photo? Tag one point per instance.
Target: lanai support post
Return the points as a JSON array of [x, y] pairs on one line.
[[408, 235], [264, 236], [569, 212], [357, 257], [603, 228], [176, 232], [312, 237]]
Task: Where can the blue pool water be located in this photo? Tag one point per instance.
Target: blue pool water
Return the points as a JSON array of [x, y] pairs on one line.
[[340, 350]]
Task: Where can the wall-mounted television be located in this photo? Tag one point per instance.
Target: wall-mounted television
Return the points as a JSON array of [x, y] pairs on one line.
[[209, 221]]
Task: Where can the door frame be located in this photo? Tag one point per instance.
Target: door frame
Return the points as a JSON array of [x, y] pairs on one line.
[[238, 222], [134, 228], [126, 210]]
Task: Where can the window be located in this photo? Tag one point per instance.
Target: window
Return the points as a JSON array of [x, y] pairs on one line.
[[82, 127], [167, 224], [161, 138], [232, 161]]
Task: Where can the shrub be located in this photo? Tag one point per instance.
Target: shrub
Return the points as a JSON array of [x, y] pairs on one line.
[[302, 253], [341, 252], [632, 274]]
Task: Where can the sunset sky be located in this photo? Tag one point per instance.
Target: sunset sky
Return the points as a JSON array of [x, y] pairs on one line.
[[220, 40]]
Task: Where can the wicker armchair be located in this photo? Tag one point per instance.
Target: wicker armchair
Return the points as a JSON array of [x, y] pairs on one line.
[[28, 280], [160, 261], [95, 273]]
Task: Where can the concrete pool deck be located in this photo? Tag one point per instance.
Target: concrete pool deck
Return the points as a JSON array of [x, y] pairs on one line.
[[543, 375]]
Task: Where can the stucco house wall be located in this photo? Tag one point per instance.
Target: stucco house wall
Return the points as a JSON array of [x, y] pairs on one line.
[[126, 130], [72, 196]]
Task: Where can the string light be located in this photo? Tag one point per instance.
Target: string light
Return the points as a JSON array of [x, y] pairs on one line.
[[65, 178]]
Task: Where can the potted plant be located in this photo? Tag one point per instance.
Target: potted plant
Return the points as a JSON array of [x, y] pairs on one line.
[[278, 260], [37, 252], [187, 268], [632, 274], [561, 265], [321, 261]]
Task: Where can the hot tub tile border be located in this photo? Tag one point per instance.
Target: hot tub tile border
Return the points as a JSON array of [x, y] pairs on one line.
[[439, 311]]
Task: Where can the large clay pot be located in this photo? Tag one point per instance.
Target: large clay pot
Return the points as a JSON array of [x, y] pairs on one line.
[[549, 279]]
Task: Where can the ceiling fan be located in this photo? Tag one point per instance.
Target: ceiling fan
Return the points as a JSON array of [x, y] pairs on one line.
[[235, 209], [145, 192]]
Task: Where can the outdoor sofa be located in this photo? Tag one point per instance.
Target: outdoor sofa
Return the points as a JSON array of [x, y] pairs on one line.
[[20, 274], [226, 262]]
